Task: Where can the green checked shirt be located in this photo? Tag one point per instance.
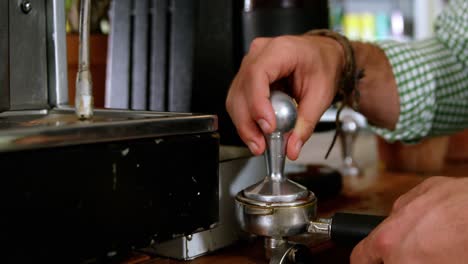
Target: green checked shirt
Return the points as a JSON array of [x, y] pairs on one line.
[[432, 79]]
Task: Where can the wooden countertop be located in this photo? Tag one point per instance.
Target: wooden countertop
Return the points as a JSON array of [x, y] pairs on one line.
[[373, 193]]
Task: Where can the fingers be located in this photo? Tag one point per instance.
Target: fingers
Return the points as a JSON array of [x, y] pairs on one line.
[[308, 115], [247, 129], [250, 109], [386, 242], [278, 57], [315, 97], [248, 99], [402, 234], [275, 61], [363, 253], [268, 61], [417, 191], [257, 45], [379, 243], [303, 129], [246, 116]]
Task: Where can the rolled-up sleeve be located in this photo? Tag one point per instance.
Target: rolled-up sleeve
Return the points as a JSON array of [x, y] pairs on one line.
[[432, 79]]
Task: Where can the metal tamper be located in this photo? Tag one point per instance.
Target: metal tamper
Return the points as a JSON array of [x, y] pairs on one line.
[[275, 187], [278, 208]]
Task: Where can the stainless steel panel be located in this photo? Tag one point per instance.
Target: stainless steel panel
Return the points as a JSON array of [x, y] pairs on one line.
[[181, 55], [140, 55], [118, 63], [28, 56], [60, 127], [158, 55], [57, 53], [4, 82]]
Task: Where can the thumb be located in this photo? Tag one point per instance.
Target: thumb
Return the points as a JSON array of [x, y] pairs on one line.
[[311, 108], [302, 131]]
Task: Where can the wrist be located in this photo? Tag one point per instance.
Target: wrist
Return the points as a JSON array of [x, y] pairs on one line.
[[337, 51], [379, 101], [332, 57]]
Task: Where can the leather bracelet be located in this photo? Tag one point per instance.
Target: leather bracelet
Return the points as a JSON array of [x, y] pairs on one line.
[[347, 92]]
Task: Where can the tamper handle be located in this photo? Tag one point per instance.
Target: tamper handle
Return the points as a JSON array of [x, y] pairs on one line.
[[275, 156], [275, 187], [286, 115]]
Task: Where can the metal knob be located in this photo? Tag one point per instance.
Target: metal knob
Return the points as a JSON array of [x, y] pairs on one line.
[[349, 130], [276, 187], [26, 7]]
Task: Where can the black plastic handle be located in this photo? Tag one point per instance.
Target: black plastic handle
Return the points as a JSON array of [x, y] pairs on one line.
[[349, 228]]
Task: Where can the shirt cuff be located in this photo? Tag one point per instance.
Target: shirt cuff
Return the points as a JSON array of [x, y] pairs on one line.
[[416, 90]]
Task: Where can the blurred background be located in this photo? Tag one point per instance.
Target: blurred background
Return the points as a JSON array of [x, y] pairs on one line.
[[369, 20], [181, 55], [366, 20]]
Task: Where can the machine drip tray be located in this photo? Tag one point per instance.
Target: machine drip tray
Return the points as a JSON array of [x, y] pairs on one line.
[[60, 127]]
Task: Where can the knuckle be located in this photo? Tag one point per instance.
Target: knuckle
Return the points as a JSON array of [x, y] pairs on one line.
[[283, 41], [384, 242], [398, 203], [255, 110], [407, 208], [255, 44], [434, 179], [244, 133], [430, 182], [355, 254], [250, 72], [244, 62]]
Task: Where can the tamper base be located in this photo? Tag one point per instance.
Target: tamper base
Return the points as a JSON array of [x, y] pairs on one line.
[[269, 190]]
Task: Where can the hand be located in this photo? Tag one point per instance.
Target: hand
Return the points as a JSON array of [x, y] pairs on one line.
[[427, 225], [311, 65]]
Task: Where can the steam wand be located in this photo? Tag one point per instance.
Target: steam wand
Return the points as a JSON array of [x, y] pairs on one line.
[[84, 101]]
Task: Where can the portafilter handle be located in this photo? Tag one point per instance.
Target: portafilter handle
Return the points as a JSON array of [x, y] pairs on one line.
[[286, 115], [346, 228]]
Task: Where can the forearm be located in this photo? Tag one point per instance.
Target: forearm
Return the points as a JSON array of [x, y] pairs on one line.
[[379, 100], [430, 78], [431, 88]]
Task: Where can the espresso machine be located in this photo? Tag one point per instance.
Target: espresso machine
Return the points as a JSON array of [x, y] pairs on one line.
[[90, 185], [84, 185]]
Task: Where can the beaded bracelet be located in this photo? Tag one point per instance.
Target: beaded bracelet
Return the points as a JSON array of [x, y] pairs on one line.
[[347, 92]]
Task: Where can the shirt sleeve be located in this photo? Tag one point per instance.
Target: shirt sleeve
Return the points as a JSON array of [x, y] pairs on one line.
[[432, 79]]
